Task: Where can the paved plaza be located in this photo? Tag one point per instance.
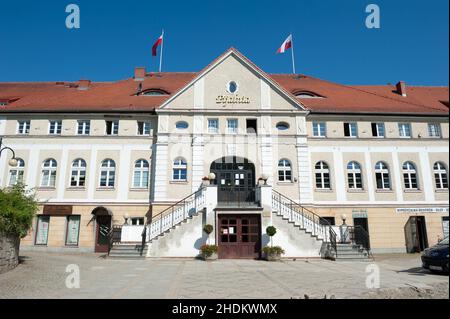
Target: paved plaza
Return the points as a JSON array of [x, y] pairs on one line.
[[43, 275]]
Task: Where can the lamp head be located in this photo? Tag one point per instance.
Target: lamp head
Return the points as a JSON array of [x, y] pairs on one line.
[[13, 162]]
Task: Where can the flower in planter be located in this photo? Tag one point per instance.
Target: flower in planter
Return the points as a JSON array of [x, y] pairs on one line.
[[208, 250]]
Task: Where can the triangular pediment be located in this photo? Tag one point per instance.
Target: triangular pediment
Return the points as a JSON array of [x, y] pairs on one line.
[[232, 82]]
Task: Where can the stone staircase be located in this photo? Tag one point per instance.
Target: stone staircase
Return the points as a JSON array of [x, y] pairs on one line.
[[127, 251], [352, 252]]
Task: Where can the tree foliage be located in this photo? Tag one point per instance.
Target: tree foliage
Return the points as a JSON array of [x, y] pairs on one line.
[[17, 209]]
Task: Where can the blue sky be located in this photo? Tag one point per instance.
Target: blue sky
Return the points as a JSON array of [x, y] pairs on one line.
[[330, 38]]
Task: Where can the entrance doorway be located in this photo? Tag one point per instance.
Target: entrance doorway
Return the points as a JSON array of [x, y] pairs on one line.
[[103, 229], [416, 234], [239, 236], [360, 239], [235, 180]]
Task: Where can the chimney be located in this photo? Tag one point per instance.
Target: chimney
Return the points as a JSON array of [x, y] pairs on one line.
[[401, 88], [139, 73], [83, 85]]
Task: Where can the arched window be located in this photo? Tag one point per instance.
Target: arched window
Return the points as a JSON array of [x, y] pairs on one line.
[[107, 173], [410, 175], [179, 169], [354, 175], [78, 175], [382, 176], [16, 173], [322, 172], [140, 175], [49, 173], [284, 171], [440, 175]]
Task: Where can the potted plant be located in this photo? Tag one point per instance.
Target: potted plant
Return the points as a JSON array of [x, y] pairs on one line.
[[205, 180], [272, 253], [208, 252], [208, 229]]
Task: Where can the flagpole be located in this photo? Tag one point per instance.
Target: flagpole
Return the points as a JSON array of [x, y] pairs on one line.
[[161, 55], [292, 52]]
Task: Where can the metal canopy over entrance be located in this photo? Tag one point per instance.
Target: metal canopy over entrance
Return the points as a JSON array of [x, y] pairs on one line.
[[235, 180]]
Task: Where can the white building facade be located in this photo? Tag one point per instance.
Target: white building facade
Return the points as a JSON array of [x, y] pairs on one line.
[[233, 147]]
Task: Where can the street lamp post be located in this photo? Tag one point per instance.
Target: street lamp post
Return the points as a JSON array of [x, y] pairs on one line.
[[13, 160]]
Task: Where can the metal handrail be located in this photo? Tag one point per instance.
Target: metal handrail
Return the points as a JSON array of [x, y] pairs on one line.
[[352, 231], [173, 215], [308, 219]]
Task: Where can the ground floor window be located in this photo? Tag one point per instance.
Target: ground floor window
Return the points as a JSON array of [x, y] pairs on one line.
[[137, 221], [73, 230], [445, 226], [43, 223], [324, 220]]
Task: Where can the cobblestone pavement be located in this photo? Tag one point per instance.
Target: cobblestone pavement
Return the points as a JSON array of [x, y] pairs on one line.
[[43, 275]]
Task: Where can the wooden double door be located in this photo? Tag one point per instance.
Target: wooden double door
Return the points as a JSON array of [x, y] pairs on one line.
[[239, 236], [103, 229]]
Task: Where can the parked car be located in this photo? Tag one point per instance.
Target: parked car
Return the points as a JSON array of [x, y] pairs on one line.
[[436, 258]]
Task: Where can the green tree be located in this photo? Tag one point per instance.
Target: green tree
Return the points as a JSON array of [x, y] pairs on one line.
[[18, 206]]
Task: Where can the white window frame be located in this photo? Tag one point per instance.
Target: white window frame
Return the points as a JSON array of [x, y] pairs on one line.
[[140, 168], [385, 176], [324, 171], [232, 129], [110, 170], [377, 127], [78, 171], [114, 127], [350, 125], [436, 131], [85, 126], [180, 165], [284, 166], [23, 127], [440, 172], [50, 171], [146, 128], [409, 174], [402, 130], [213, 129], [54, 127], [320, 126], [19, 171], [354, 170]]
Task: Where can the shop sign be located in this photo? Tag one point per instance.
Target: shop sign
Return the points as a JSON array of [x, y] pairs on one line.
[[420, 210]]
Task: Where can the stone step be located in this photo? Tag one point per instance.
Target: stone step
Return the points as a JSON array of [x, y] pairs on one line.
[[127, 247], [126, 257]]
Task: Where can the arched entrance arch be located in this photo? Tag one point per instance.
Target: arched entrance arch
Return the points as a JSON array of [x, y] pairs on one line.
[[235, 180], [102, 229]]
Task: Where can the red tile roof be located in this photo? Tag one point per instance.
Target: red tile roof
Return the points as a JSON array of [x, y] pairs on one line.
[[121, 96]]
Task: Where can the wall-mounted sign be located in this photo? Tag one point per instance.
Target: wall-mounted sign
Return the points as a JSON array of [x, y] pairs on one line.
[[232, 99], [60, 210], [422, 210]]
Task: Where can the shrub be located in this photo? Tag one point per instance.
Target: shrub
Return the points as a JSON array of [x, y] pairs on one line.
[[208, 228], [208, 250], [276, 250], [17, 209], [271, 231]]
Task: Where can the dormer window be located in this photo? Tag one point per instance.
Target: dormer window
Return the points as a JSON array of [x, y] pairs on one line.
[[153, 92], [307, 95], [3, 103]]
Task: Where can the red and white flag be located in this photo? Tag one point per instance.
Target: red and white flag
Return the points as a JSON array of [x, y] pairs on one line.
[[286, 44], [157, 43]]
